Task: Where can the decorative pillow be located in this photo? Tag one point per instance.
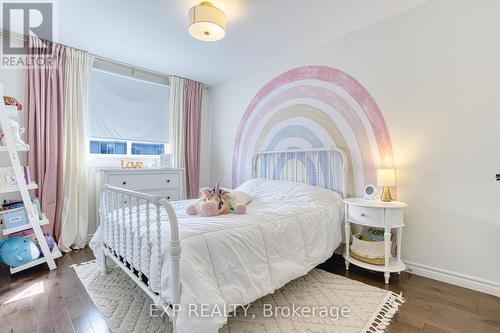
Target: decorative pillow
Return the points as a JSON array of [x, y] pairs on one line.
[[240, 197], [250, 185]]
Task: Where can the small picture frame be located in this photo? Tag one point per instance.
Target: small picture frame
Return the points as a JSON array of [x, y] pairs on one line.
[[370, 192]]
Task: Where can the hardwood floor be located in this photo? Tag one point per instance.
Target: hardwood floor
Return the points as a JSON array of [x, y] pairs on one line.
[[41, 301], [59, 302], [431, 306]]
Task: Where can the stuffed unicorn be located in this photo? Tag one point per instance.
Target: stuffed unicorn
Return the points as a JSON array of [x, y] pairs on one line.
[[217, 200]]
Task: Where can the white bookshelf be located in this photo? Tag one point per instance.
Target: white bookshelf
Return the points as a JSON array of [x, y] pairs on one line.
[[47, 256]]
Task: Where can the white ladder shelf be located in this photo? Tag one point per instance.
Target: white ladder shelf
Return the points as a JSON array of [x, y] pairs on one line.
[[34, 222]]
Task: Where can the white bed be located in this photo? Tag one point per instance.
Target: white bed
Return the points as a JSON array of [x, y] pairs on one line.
[[230, 259]]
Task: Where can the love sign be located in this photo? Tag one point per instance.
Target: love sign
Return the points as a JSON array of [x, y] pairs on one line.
[[131, 165]]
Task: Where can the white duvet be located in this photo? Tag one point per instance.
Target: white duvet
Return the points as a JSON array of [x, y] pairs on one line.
[[289, 228]]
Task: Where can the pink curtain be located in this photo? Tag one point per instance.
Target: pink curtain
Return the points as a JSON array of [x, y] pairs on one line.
[[44, 126], [192, 105]]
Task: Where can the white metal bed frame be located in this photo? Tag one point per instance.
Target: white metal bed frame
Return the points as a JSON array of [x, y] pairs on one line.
[[332, 158], [116, 243]]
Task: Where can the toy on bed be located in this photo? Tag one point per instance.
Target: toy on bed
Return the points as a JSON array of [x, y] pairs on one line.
[[217, 200], [13, 120], [18, 251]]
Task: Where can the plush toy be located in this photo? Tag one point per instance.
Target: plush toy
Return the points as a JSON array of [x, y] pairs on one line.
[[216, 201], [18, 251], [50, 242], [16, 131], [8, 100], [14, 121]]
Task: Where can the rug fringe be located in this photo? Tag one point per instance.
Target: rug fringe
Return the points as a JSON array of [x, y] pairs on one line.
[[384, 314]]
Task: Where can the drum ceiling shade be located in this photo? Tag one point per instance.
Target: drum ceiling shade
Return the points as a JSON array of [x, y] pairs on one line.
[[207, 23]]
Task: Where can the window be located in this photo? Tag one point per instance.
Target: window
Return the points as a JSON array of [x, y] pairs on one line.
[[128, 115], [108, 147], [147, 148], [101, 146]]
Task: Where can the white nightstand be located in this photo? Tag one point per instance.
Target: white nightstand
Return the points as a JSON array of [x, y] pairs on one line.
[[379, 214]]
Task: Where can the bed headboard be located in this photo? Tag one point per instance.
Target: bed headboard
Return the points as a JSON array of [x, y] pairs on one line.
[[323, 167]]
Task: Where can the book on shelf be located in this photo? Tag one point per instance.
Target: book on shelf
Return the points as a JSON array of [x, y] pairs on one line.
[[19, 203], [12, 204], [27, 176]]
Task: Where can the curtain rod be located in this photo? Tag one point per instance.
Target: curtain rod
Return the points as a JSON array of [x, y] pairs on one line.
[[132, 67], [20, 37]]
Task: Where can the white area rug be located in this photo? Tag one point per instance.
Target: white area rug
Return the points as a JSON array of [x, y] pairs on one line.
[[126, 308]]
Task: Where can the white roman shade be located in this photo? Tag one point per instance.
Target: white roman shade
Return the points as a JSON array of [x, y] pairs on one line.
[[127, 108]]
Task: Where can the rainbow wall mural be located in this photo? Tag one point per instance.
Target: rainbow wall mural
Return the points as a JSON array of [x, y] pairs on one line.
[[313, 107]]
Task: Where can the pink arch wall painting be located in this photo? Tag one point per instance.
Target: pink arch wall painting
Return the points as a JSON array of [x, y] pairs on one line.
[[313, 107]]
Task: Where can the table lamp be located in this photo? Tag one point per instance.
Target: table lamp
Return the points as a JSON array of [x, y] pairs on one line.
[[386, 178]]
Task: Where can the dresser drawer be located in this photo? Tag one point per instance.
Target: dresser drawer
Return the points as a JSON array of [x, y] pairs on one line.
[[376, 217], [367, 215], [172, 195], [145, 181]]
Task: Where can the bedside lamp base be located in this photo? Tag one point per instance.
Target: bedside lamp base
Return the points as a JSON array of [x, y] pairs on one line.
[[386, 194]]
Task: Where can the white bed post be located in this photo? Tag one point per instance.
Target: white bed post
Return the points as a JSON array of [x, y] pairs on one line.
[[174, 250], [148, 242], [103, 212], [138, 230], [130, 235]]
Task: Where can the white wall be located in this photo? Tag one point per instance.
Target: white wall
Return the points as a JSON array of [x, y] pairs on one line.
[[13, 83], [435, 74]]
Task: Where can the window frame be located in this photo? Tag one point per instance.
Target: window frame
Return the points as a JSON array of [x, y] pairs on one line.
[[106, 140], [164, 145], [128, 144]]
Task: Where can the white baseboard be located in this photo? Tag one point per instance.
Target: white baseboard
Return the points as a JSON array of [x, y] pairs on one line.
[[458, 279]]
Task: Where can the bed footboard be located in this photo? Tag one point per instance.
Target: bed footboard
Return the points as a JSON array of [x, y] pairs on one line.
[[126, 218]]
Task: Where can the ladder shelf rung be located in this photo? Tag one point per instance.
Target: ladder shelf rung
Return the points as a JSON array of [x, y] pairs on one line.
[[19, 147], [55, 254], [23, 227], [15, 188]]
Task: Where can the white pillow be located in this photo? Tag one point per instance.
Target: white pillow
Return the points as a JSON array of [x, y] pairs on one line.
[[250, 185], [295, 192], [240, 197]]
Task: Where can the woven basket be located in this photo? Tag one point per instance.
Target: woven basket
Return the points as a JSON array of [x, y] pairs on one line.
[[370, 252]]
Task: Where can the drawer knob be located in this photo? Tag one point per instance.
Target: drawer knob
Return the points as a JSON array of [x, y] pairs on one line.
[[168, 180], [124, 183], [168, 198], [363, 214]]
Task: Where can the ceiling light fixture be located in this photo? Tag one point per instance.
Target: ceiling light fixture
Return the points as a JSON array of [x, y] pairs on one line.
[[207, 22]]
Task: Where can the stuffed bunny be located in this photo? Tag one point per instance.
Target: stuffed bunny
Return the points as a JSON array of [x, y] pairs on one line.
[[216, 201]]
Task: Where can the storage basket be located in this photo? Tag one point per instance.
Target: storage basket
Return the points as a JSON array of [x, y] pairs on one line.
[[370, 252], [14, 218]]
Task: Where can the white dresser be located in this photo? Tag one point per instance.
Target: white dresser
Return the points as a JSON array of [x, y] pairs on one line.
[[168, 182]]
